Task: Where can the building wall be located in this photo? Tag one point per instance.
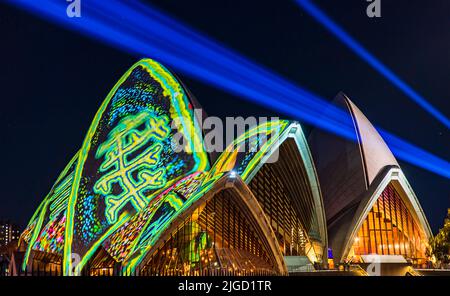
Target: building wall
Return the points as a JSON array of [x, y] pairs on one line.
[[8, 233]]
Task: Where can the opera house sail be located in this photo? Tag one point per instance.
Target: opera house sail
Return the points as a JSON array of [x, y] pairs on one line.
[[370, 207], [143, 196]]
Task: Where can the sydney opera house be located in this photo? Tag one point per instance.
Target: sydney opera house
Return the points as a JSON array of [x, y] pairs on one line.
[[274, 202]]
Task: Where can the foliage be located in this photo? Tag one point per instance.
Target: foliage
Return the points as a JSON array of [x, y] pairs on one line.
[[440, 244]]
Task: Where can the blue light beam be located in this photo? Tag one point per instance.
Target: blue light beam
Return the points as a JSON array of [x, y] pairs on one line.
[[142, 30], [376, 64]]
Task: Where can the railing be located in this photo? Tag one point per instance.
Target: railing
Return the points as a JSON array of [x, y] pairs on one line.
[[205, 272], [303, 268], [57, 271]]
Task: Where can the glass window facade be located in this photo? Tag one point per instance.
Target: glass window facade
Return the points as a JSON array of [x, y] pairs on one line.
[[220, 237], [390, 229], [283, 191]]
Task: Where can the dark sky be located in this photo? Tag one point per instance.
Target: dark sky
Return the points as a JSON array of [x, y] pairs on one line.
[[54, 80]]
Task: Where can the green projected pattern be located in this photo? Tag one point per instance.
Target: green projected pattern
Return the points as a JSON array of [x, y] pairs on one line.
[[119, 166], [255, 143], [46, 229]]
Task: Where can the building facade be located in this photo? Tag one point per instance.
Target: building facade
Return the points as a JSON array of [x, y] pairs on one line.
[[144, 196], [8, 232], [370, 206]]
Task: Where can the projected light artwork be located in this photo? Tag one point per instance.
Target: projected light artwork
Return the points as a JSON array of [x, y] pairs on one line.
[[127, 156], [46, 229], [123, 141]]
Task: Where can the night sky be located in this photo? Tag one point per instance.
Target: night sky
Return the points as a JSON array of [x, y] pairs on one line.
[[54, 80]]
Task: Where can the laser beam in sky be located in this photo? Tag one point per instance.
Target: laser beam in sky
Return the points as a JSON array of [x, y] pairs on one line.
[[142, 30], [375, 63]]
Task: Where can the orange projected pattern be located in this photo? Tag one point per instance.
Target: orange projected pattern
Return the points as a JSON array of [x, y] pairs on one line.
[[390, 229]]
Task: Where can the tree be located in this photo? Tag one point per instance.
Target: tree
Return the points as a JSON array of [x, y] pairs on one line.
[[440, 244]]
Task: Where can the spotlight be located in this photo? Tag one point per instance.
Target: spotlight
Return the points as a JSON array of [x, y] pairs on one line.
[[376, 64]]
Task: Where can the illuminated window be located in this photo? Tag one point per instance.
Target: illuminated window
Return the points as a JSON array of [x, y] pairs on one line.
[[390, 229]]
